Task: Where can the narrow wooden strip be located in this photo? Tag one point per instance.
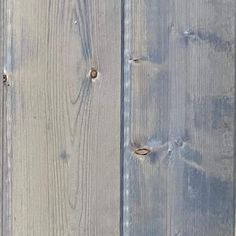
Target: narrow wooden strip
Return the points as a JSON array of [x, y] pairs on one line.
[[2, 35]]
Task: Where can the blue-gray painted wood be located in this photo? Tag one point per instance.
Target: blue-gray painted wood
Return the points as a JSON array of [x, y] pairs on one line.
[[61, 129], [179, 107]]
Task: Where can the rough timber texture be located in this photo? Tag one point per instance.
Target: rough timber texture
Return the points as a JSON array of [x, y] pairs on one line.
[[182, 87], [64, 127], [60, 129], [2, 117]]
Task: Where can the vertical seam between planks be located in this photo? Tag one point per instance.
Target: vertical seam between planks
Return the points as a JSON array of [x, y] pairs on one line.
[[234, 142], [122, 120], [126, 113]]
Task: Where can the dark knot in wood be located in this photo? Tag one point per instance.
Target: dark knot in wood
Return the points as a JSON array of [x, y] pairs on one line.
[[93, 73], [4, 78], [143, 151]]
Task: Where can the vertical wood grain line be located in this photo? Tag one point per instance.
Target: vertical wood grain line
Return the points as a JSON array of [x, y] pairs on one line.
[[126, 110], [6, 121], [122, 120], [234, 142]]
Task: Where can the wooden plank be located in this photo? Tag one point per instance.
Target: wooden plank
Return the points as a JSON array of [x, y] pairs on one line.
[[65, 125], [2, 115], [180, 77], [7, 121]]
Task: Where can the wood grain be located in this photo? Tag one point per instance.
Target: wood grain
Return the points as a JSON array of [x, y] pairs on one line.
[[2, 118], [64, 127], [182, 89]]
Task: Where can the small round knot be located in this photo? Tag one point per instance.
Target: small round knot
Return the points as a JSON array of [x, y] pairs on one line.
[[93, 73]]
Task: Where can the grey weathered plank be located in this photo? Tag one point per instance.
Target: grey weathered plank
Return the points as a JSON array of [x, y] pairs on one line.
[[180, 80], [5, 52], [65, 127], [2, 118]]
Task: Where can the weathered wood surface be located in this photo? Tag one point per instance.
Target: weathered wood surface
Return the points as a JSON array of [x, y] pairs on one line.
[[2, 118], [60, 129], [64, 127], [180, 80]]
